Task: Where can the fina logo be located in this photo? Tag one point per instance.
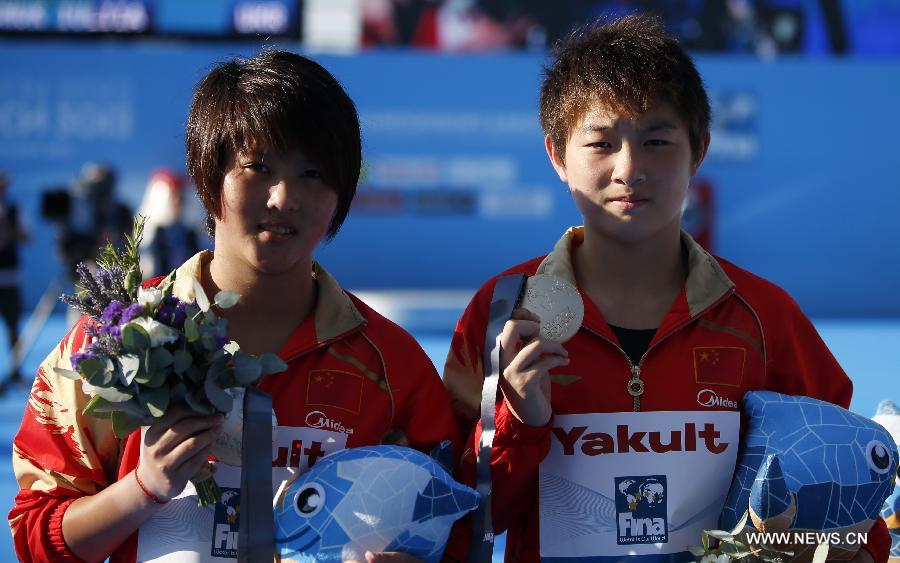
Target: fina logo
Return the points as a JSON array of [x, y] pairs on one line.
[[641, 512], [708, 398], [226, 521], [317, 419]]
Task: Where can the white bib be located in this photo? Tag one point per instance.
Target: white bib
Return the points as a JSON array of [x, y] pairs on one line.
[[646, 483], [185, 533]]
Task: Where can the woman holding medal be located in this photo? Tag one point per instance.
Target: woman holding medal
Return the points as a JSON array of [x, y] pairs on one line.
[[616, 434], [273, 146]]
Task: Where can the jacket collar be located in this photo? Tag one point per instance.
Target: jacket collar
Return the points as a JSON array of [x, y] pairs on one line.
[[706, 283], [335, 313]]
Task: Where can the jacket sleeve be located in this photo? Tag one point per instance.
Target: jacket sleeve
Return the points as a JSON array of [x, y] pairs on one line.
[[799, 363], [59, 455], [517, 448]]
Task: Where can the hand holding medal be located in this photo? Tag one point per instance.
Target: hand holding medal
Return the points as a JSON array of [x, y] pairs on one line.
[[551, 312]]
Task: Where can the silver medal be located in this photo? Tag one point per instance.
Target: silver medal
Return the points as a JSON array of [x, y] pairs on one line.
[[557, 303]]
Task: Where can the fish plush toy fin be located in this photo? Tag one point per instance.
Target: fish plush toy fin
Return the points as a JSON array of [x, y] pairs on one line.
[[374, 498]]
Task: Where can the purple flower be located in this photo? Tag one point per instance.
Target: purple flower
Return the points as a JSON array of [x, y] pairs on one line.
[[79, 357], [112, 312], [132, 311]]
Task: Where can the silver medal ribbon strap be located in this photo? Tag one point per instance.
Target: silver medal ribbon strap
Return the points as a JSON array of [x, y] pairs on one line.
[[506, 295], [256, 531]]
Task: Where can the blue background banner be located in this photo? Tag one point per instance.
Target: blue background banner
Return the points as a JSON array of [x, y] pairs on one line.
[[456, 184]]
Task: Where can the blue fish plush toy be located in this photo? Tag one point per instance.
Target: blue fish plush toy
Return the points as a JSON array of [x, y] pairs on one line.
[[808, 465], [374, 498], [888, 415]]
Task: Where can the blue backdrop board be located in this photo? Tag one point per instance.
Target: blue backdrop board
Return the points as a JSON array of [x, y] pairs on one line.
[[456, 184]]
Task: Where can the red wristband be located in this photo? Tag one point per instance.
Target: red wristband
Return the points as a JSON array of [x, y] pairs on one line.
[[146, 492]]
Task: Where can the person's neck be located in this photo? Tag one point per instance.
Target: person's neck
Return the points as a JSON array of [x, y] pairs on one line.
[[265, 298], [632, 283]]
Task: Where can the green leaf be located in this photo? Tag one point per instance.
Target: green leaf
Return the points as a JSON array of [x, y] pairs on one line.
[[124, 424], [200, 296], [219, 398], [160, 359], [734, 550], [90, 366], [181, 361], [227, 299], [131, 366], [103, 378], [177, 393], [67, 373], [271, 363], [114, 394], [247, 368], [198, 402], [741, 523], [821, 553], [696, 550], [97, 406], [156, 401], [135, 338], [191, 330], [720, 535]]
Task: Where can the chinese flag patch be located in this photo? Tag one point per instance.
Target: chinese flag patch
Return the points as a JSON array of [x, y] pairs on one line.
[[719, 365], [334, 388]]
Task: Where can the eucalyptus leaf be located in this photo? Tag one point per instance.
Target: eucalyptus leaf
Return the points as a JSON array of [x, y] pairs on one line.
[[735, 550], [155, 400], [114, 394], [741, 523], [102, 378], [181, 361], [124, 424], [90, 366], [160, 358], [67, 373], [271, 363], [720, 535], [200, 296], [227, 299], [177, 393], [135, 339], [131, 365], [97, 406], [191, 330], [696, 550], [821, 553], [247, 368], [198, 402], [219, 398]]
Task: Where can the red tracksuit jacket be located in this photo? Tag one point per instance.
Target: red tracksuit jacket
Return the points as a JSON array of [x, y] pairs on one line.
[[763, 340], [349, 370]]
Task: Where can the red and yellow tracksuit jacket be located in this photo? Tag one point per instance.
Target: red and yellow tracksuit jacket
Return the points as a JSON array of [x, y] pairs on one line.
[[350, 370], [755, 332]]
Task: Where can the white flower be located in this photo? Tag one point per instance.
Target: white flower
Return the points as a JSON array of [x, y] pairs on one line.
[[149, 296], [159, 333]]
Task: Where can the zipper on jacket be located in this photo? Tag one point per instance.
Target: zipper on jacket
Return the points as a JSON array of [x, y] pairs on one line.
[[635, 385]]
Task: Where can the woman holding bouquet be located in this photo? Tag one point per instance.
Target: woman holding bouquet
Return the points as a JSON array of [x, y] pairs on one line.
[[273, 146]]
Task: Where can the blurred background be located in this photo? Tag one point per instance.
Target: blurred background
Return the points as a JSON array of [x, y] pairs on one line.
[[800, 185]]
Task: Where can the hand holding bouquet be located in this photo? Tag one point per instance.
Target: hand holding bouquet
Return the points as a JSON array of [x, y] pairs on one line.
[[150, 350]]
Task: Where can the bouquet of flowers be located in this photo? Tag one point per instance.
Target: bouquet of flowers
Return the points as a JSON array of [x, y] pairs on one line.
[[720, 546], [150, 350]]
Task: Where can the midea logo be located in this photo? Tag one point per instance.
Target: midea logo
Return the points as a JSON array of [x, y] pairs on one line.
[[708, 398], [317, 419]]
